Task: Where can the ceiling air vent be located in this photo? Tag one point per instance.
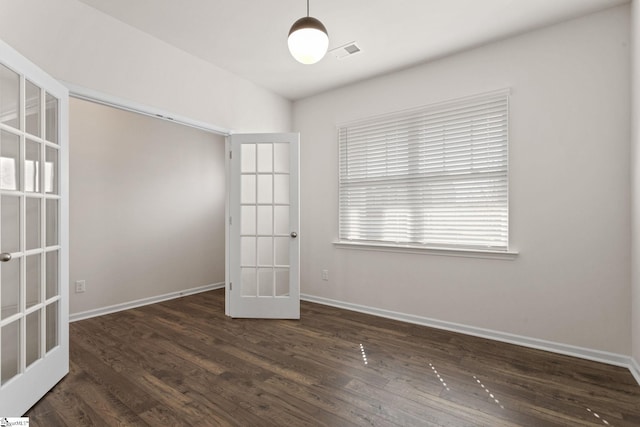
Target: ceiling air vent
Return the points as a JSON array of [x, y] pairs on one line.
[[345, 51]]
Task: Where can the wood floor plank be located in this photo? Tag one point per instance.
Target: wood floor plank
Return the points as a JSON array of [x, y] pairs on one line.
[[183, 362], [121, 386]]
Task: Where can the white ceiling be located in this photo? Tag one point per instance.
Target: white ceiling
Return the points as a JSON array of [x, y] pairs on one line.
[[249, 37]]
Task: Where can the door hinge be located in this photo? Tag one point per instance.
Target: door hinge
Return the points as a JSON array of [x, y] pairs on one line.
[[230, 286], [230, 155], [230, 221]]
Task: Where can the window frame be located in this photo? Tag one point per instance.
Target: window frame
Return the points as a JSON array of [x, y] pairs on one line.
[[428, 111]]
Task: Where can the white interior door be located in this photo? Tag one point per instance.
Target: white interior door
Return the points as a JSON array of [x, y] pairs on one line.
[[34, 337], [263, 242]]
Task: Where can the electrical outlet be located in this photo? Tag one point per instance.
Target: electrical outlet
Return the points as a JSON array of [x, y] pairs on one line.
[[325, 274], [81, 286]]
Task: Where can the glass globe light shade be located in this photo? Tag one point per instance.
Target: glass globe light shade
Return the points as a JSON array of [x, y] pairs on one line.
[[308, 40]]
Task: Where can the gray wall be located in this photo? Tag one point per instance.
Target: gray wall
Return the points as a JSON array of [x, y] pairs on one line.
[[78, 44], [569, 190], [635, 196], [146, 206]]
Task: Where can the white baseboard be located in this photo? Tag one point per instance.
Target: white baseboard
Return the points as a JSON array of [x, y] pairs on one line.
[[554, 347], [140, 302], [634, 367]]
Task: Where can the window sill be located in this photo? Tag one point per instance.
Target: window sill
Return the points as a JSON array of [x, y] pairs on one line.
[[467, 253]]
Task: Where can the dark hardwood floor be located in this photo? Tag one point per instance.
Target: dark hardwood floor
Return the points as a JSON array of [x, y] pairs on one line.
[[182, 362]]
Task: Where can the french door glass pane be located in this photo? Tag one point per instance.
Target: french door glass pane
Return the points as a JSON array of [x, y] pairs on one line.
[[9, 161], [248, 189], [281, 251], [32, 106], [265, 251], [281, 158], [281, 189], [32, 223], [282, 282], [249, 284], [10, 223], [265, 158], [248, 154], [51, 171], [33, 279], [32, 166], [265, 188], [52, 325], [248, 251], [51, 118], [10, 345], [9, 97], [32, 337], [281, 219], [265, 282], [52, 222], [10, 288], [248, 225], [265, 220], [51, 269]]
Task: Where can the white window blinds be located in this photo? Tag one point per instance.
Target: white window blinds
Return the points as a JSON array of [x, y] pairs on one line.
[[435, 176]]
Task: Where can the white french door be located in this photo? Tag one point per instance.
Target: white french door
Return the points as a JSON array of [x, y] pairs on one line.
[[263, 227], [34, 337]]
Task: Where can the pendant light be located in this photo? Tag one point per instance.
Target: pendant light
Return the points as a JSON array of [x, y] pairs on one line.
[[308, 39]]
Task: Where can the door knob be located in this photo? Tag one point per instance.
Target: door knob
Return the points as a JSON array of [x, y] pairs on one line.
[[5, 256], [294, 234]]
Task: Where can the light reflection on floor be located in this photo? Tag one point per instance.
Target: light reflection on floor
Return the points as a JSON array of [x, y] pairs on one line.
[[364, 354], [595, 414], [491, 395], [435, 371]]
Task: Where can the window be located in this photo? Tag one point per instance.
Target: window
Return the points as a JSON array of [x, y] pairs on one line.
[[435, 176]]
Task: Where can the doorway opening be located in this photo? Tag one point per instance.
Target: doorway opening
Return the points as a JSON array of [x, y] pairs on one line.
[[148, 206]]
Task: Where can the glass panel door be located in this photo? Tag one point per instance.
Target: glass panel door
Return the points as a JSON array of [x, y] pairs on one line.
[[33, 256], [264, 249]]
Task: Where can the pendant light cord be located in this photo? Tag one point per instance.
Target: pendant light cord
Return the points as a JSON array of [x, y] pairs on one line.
[[307, 8]]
